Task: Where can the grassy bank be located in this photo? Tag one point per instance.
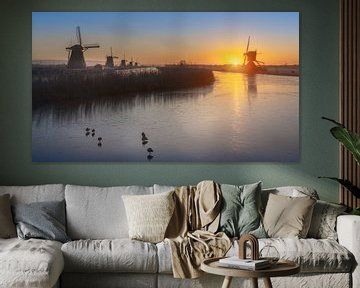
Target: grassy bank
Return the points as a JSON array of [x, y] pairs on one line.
[[60, 84]]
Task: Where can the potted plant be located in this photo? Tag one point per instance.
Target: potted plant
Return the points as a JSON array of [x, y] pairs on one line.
[[351, 141]]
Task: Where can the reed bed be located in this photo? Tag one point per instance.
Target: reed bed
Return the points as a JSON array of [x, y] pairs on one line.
[[61, 84]]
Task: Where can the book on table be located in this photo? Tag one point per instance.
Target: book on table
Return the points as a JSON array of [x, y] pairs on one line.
[[236, 262]]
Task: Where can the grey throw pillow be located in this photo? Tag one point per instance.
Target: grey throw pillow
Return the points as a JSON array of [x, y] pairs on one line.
[[7, 227], [323, 222], [44, 220], [240, 213]]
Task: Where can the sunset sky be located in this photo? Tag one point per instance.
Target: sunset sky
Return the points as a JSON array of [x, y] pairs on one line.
[[168, 37]]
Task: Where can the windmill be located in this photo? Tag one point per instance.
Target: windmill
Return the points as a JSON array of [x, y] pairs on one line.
[[252, 65], [123, 62], [76, 58], [110, 60]]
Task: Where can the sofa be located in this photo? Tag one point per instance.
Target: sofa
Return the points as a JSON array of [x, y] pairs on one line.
[[100, 253]]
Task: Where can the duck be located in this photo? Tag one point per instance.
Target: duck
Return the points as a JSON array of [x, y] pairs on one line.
[[87, 133], [99, 144], [93, 130], [93, 134], [150, 157], [143, 137], [87, 129], [100, 138], [150, 150]]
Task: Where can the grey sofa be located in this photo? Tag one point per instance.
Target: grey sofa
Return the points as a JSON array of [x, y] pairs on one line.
[[101, 254]]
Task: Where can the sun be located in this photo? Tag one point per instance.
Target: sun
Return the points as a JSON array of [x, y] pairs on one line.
[[235, 62]]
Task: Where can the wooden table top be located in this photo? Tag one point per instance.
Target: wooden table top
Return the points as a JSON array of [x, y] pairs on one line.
[[281, 268]]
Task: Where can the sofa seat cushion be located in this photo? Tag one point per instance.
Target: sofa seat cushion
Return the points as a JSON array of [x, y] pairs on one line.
[[30, 263], [313, 255], [115, 255]]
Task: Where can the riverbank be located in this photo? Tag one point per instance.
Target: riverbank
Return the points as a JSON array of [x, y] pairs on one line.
[[57, 83]]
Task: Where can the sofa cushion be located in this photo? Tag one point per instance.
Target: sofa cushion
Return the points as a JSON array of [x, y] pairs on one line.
[[37, 193], [30, 263], [117, 255], [313, 255], [287, 216], [240, 210], [291, 191], [149, 215], [7, 226], [98, 213], [323, 222], [42, 220]]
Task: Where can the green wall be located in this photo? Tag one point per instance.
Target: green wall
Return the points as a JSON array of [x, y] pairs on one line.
[[318, 96]]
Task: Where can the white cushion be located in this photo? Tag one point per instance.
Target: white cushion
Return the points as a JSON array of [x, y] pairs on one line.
[[117, 255], [37, 193], [98, 213], [313, 255], [30, 263], [149, 215]]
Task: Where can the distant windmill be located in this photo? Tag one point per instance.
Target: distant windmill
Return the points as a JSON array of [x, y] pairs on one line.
[[132, 63], [123, 62], [76, 58], [110, 60], [250, 60]]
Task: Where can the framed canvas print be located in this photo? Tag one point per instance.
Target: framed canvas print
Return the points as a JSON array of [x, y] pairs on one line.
[[165, 86]]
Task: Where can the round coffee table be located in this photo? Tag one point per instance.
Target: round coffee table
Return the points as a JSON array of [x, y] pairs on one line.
[[281, 268]]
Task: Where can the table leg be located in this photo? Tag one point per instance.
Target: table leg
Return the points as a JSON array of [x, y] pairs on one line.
[[227, 282], [254, 282], [267, 283]]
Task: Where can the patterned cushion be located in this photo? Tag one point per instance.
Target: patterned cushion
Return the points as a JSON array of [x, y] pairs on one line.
[[323, 223]]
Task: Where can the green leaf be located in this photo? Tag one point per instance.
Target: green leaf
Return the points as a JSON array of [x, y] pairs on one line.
[[347, 184], [349, 139]]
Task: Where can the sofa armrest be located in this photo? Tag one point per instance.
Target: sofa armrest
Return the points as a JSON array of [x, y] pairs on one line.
[[348, 230]]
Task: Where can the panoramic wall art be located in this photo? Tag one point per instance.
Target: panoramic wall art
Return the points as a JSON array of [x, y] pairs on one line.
[[165, 86]]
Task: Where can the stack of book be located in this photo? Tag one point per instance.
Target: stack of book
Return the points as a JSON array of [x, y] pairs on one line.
[[248, 264]]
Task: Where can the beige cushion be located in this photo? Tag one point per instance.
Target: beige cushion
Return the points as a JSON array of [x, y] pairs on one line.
[[293, 191], [287, 217], [7, 226], [110, 255], [149, 215]]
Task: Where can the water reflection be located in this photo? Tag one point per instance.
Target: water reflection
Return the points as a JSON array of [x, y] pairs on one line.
[[66, 113], [239, 118], [251, 85]]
